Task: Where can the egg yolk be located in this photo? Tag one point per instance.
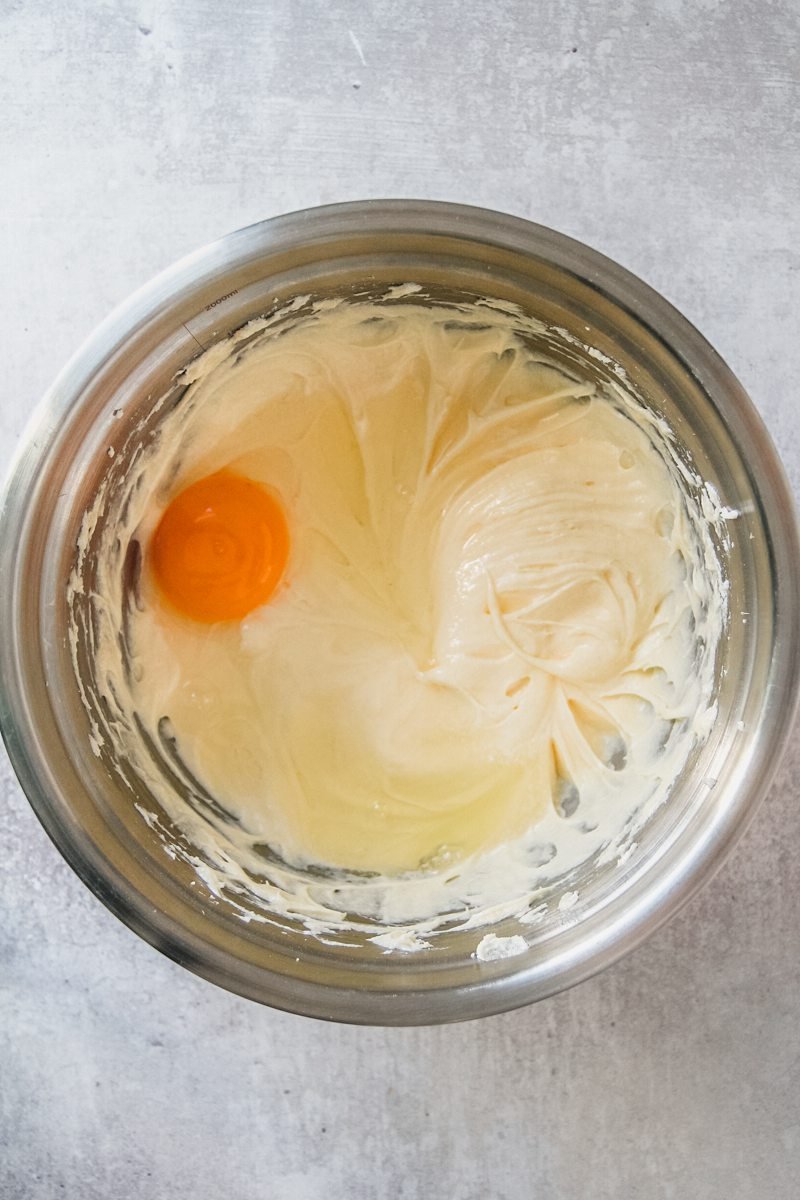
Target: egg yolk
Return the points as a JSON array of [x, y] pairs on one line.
[[220, 548]]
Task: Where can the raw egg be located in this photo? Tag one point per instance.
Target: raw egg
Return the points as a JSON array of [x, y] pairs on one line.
[[220, 548]]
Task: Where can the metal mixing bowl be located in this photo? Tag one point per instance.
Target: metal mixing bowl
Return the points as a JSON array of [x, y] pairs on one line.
[[360, 248]]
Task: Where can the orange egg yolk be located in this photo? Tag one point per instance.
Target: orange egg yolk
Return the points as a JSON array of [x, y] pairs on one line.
[[220, 548]]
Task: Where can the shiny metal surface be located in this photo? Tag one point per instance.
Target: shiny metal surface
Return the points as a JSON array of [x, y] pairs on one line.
[[135, 354]]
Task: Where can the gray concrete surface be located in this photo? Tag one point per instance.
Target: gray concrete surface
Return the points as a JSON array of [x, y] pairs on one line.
[[667, 135]]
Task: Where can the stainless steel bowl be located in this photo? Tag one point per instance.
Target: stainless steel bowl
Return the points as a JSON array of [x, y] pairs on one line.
[[356, 248]]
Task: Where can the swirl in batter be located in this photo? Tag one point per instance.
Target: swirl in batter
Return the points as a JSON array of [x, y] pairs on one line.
[[488, 631]]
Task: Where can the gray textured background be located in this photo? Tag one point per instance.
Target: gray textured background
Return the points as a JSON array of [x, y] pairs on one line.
[[668, 136]]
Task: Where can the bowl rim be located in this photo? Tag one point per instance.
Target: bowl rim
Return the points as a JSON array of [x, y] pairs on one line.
[[653, 900]]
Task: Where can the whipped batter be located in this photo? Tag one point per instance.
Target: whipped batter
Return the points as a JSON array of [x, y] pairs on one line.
[[493, 645]]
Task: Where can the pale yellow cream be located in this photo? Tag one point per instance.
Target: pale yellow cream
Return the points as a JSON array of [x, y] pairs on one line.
[[488, 623]]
